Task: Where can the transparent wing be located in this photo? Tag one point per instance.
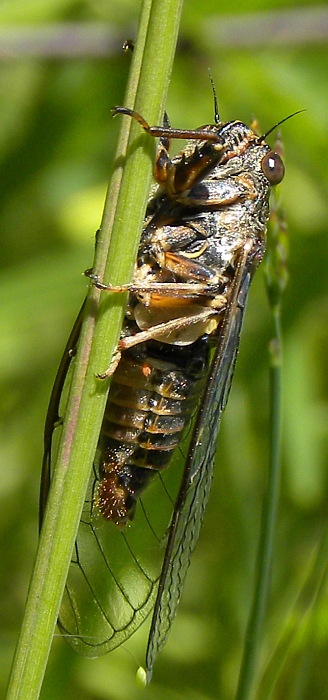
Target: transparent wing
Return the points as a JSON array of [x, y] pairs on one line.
[[196, 483], [113, 576]]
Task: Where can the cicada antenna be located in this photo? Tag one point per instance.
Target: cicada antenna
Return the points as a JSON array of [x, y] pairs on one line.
[[263, 138], [216, 105]]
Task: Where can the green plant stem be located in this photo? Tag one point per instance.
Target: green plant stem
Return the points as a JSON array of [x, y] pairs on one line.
[[298, 631], [265, 551], [151, 67]]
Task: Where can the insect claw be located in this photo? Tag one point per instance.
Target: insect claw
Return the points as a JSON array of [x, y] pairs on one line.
[[90, 274], [112, 367]]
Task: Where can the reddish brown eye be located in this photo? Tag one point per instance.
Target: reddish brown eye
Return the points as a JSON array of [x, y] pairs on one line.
[[273, 168]]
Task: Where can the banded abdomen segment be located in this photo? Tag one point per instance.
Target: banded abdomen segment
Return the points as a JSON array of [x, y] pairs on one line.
[[153, 393]]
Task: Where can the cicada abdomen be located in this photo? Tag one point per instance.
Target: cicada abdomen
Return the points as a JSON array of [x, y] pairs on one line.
[[153, 392], [203, 237]]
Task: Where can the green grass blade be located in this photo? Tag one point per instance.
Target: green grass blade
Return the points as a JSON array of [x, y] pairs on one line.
[[296, 646], [150, 72], [275, 277]]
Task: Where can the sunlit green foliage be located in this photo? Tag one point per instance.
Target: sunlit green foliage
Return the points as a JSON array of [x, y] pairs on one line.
[[56, 142]]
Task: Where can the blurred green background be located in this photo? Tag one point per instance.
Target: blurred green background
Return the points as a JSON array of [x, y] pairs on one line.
[[61, 71]]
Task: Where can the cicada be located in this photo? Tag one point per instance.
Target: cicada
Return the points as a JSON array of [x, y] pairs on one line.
[[204, 236]]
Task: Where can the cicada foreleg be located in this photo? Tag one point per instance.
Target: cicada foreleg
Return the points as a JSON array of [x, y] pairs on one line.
[[177, 177], [166, 131]]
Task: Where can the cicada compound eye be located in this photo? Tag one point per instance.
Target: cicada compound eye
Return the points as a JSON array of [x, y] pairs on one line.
[[273, 168]]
